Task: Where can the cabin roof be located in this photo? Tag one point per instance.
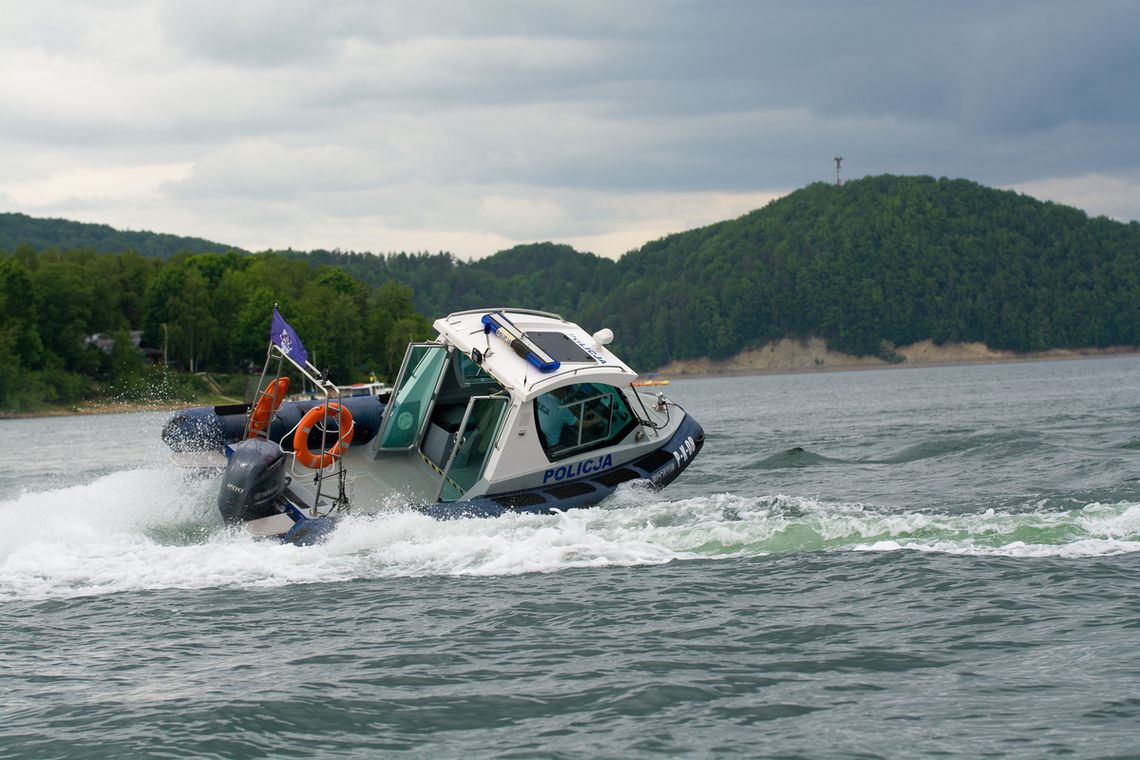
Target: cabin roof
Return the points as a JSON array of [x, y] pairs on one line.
[[584, 361]]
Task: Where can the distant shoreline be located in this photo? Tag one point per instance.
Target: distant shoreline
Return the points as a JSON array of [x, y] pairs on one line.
[[791, 356], [784, 357], [92, 408]]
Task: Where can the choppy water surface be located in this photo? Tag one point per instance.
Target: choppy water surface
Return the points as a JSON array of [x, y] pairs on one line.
[[868, 564]]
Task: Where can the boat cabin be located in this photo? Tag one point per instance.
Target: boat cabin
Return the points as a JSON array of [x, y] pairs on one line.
[[473, 408]]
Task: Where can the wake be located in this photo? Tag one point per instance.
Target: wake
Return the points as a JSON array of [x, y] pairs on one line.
[[154, 529]]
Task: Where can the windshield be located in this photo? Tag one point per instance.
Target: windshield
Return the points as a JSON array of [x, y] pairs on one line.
[[580, 418]]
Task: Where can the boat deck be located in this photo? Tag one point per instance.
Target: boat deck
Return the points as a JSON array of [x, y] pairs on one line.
[[394, 479]]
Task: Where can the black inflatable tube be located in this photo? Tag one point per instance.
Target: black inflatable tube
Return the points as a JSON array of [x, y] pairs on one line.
[[210, 428]]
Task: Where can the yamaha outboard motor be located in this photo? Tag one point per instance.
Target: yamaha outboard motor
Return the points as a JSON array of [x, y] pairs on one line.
[[253, 482]]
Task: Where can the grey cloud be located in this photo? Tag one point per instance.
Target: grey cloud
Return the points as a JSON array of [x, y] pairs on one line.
[[360, 106], [256, 34]]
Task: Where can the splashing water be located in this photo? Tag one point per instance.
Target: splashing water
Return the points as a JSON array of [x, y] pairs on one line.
[[157, 529], [1017, 489]]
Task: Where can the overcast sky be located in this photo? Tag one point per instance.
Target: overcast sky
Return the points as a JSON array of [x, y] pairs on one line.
[[473, 126]]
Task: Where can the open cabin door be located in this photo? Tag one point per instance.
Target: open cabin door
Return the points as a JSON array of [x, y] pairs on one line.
[[474, 443], [413, 397]]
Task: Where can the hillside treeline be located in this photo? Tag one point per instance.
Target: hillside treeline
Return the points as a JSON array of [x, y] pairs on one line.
[[65, 235], [544, 276], [196, 312], [879, 262]]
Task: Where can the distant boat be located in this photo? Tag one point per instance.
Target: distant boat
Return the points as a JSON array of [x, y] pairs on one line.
[[646, 383], [374, 388]]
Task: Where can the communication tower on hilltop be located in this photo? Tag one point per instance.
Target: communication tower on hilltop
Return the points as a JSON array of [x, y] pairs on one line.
[[838, 161]]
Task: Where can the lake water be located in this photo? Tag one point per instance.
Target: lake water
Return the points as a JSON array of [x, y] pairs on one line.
[[901, 563]]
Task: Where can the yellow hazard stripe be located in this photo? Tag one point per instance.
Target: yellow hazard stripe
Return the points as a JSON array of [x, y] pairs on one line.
[[434, 466]]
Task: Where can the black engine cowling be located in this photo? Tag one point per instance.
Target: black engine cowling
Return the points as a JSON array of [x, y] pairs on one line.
[[253, 482]]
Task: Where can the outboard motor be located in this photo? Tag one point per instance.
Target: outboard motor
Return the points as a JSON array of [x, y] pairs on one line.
[[253, 482]]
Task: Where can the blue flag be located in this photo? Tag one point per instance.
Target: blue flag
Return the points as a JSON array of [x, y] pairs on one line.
[[285, 337]]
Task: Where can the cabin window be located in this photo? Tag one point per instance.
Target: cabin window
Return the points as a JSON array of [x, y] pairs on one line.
[[580, 418], [469, 373], [407, 411]]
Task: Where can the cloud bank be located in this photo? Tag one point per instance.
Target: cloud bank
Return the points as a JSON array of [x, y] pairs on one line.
[[472, 127]]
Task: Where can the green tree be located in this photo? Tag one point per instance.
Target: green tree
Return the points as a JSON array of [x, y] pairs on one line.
[[65, 301]]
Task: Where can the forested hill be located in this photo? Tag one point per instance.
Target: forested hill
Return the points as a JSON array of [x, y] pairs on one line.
[[880, 261], [545, 276], [64, 235]]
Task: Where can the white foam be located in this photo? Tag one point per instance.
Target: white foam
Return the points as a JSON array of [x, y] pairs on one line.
[[1074, 550], [1111, 520], [412, 544], [1095, 530], [154, 529], [118, 505]]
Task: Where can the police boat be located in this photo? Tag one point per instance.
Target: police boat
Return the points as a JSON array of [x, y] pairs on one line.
[[507, 410]]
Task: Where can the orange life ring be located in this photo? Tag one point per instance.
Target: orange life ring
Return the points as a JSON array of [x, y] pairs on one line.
[[320, 413], [268, 401]]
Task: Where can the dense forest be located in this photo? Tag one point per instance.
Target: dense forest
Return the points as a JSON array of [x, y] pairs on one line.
[[196, 311], [64, 235], [537, 276], [880, 262]]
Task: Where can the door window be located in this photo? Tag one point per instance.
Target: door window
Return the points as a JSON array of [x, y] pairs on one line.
[[477, 436], [411, 402]]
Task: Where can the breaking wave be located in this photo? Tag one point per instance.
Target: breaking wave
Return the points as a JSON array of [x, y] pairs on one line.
[[147, 530]]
